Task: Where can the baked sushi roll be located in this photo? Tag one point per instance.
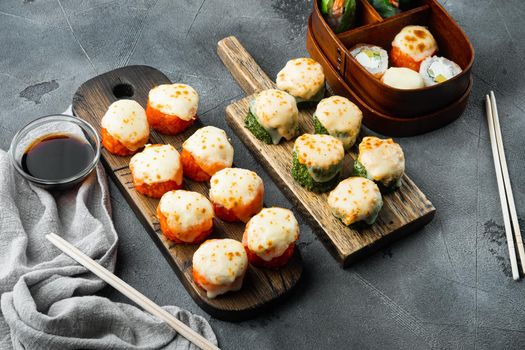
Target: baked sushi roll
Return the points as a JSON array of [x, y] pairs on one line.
[[380, 160], [273, 115], [205, 152], [236, 194], [125, 128], [172, 108], [411, 46], [355, 200], [156, 170], [317, 162], [303, 78], [185, 217], [403, 78], [219, 266], [270, 236], [340, 118], [436, 70], [373, 58]]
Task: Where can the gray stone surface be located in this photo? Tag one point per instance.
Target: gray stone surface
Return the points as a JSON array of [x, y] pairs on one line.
[[445, 287]]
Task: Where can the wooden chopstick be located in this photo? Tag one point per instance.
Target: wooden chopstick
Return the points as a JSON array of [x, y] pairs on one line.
[[131, 292], [507, 183], [501, 189]]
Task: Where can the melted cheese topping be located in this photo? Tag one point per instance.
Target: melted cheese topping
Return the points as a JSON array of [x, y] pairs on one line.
[[156, 163], [126, 121], [210, 147], [383, 160], [271, 232], [223, 263], [355, 199], [322, 151], [179, 100], [187, 211], [416, 41], [341, 118], [301, 77], [277, 113], [234, 187], [403, 78]]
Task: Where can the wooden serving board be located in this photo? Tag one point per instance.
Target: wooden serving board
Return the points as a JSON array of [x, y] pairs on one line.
[[261, 287], [404, 210]]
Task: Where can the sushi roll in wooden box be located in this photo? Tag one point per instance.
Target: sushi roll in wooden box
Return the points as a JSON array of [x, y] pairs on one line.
[[386, 109]]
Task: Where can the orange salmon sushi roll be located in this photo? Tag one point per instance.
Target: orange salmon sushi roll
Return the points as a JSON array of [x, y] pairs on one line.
[[185, 216], [156, 170], [219, 266], [172, 108], [236, 194], [411, 46], [270, 236], [205, 152], [125, 128]]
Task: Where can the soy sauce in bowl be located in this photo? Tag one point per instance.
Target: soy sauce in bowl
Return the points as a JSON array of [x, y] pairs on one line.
[[55, 152], [57, 156]]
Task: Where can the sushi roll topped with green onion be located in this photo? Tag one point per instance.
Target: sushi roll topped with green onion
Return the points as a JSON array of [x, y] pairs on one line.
[[373, 58], [340, 118], [380, 160], [317, 162], [354, 200], [436, 70], [273, 115], [302, 78]]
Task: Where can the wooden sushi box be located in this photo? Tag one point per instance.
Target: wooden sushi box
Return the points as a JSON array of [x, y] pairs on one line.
[[388, 110]]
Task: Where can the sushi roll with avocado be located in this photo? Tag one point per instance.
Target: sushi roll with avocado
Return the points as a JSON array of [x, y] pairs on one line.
[[340, 118], [317, 162], [411, 46], [303, 78], [436, 70], [273, 115], [356, 200], [373, 58], [382, 161]]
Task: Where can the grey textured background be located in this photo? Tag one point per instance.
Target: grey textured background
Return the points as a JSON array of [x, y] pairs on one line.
[[445, 287]]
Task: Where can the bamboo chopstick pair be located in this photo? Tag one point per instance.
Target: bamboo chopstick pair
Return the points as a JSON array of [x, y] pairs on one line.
[[131, 292], [508, 206]]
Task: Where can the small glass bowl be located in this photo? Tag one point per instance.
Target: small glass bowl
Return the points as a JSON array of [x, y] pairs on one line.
[[48, 125]]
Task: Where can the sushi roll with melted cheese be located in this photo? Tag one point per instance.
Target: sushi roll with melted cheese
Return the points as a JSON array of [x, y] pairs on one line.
[[317, 162], [302, 78], [338, 117], [354, 200], [219, 266], [380, 160], [437, 70], [273, 115], [185, 216], [412, 46], [156, 170], [172, 108], [373, 58], [237, 194], [125, 128], [205, 152], [403, 78], [270, 236]]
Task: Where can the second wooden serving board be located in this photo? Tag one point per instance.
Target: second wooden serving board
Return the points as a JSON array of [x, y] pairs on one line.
[[404, 211]]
